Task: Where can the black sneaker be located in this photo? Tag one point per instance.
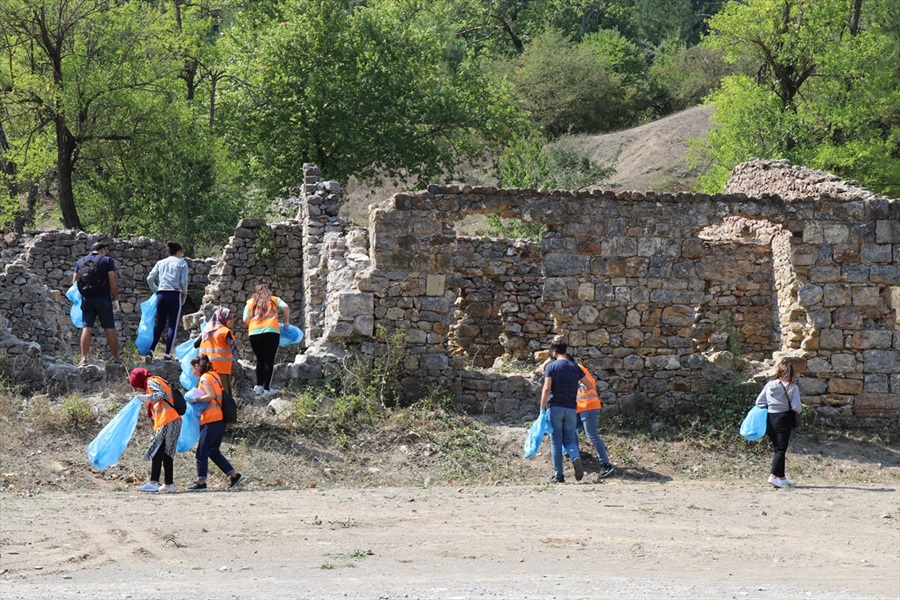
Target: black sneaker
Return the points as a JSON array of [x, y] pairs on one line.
[[579, 468], [555, 479], [606, 470], [197, 487], [235, 480]]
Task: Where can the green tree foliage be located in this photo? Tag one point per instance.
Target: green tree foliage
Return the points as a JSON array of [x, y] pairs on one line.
[[363, 91], [826, 95], [562, 164], [687, 74]]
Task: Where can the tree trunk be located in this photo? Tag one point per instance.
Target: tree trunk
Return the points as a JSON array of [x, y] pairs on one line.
[[65, 149], [854, 16]]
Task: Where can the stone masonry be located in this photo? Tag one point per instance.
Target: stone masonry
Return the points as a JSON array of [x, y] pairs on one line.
[[652, 290]]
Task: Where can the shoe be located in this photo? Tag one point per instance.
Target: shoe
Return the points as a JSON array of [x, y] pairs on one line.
[[83, 363], [235, 480], [579, 468], [787, 481], [149, 487], [197, 487], [258, 390], [148, 358], [555, 479], [168, 357], [606, 470], [116, 361], [167, 489], [775, 481], [270, 392]]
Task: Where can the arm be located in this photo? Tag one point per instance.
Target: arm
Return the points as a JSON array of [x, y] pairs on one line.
[[153, 278], [184, 280], [208, 394], [114, 286], [286, 311], [247, 313], [796, 405], [761, 399], [545, 392], [234, 349], [156, 393]]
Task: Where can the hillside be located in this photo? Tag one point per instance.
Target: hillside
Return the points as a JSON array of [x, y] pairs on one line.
[[651, 157]]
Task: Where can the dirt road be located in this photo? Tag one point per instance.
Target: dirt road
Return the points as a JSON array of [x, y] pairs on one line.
[[618, 539]]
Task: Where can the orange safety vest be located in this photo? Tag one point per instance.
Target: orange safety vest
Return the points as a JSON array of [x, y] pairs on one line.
[[587, 397], [268, 321], [213, 410], [162, 412], [218, 349]]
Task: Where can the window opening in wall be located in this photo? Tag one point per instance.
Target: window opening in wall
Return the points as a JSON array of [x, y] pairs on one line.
[[512, 229]]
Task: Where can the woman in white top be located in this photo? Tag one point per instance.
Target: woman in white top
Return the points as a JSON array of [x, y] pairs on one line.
[[780, 396]]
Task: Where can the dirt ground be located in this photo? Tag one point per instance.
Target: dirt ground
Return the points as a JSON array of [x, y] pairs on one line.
[[676, 522]]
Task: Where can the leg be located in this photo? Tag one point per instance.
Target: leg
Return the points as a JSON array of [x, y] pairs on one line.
[[257, 344], [214, 435], [168, 468], [556, 440], [268, 358], [156, 465], [779, 431], [174, 317], [161, 310], [113, 340], [570, 433], [86, 342], [203, 453], [590, 420]]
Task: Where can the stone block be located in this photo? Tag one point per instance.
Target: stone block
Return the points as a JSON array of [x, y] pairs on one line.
[[887, 231], [681, 316], [352, 304], [870, 339], [881, 361], [840, 385], [880, 406]]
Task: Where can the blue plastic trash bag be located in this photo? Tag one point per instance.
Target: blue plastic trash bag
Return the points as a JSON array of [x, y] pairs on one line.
[[187, 379], [536, 433], [754, 425], [289, 335], [190, 422], [145, 328], [74, 297], [112, 440], [183, 348]]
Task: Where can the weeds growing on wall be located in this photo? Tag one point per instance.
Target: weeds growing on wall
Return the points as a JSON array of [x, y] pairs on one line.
[[376, 377]]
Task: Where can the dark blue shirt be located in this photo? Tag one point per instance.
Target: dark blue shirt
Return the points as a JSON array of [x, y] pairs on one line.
[[564, 383], [106, 265]]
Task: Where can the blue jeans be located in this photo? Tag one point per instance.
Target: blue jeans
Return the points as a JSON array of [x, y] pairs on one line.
[[590, 420], [208, 449], [564, 434]]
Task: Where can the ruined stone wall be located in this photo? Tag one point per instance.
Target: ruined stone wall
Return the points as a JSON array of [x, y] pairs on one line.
[[38, 270], [636, 282]]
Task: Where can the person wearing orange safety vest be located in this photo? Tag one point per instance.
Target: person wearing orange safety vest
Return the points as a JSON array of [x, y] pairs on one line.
[[212, 425], [261, 316], [589, 414], [166, 428], [217, 342]]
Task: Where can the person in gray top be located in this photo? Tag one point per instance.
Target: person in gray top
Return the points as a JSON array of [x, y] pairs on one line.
[[781, 398], [169, 281]]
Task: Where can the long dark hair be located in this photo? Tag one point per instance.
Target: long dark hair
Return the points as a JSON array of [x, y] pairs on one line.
[[202, 362], [261, 299]]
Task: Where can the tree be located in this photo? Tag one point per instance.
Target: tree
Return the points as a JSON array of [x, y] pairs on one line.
[[363, 91], [826, 93], [89, 70]]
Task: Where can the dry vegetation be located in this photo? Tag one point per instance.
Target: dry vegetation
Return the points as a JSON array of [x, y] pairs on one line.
[[339, 441]]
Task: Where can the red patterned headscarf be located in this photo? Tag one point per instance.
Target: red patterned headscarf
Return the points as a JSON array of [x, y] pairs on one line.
[[138, 378]]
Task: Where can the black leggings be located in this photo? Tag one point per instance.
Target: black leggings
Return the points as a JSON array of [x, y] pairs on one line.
[[162, 462], [779, 431], [265, 345]]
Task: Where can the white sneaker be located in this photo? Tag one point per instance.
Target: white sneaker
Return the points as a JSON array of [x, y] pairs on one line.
[[149, 487], [258, 390], [787, 481], [270, 392], [167, 489], [775, 481]]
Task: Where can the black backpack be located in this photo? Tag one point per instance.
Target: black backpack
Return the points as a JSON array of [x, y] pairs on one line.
[[89, 278], [178, 402], [229, 408]]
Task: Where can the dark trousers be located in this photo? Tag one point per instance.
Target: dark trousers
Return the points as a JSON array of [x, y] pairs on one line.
[[162, 462], [778, 428], [208, 449], [168, 313], [265, 346]]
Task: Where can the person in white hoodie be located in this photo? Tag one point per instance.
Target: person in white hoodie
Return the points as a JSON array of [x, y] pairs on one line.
[[780, 397], [169, 281]]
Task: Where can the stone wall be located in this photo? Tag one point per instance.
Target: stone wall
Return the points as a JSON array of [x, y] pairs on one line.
[[652, 290]]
